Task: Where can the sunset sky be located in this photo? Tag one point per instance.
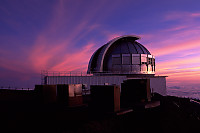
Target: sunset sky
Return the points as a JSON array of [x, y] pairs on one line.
[[61, 35]]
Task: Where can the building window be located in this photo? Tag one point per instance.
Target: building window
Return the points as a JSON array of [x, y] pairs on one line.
[[116, 59], [149, 60], [143, 67], [143, 59], [126, 59], [135, 68], [149, 68], [135, 59]]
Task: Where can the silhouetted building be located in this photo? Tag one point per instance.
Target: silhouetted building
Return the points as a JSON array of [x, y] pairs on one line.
[[68, 94], [105, 98]]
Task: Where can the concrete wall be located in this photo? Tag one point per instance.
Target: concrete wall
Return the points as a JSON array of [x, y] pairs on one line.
[[157, 83], [89, 80]]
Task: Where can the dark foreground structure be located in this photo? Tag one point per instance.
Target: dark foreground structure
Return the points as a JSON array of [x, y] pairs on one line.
[[173, 115]]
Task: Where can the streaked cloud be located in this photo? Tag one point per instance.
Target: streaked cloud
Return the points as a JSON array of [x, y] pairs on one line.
[[181, 15], [173, 48], [75, 61], [62, 35], [177, 48]]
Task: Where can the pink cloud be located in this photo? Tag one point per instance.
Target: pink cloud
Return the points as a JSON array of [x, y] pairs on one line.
[[181, 27], [185, 77], [47, 55], [179, 71], [110, 35], [50, 55], [185, 29], [181, 15], [172, 40], [42, 53], [12, 65], [178, 65], [62, 56], [169, 49], [195, 14], [173, 70], [180, 62], [76, 61]]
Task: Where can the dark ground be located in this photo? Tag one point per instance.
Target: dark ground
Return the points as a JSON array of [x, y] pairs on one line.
[[177, 115]]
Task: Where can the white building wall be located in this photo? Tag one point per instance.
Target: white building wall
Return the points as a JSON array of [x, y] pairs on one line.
[[157, 84], [89, 80]]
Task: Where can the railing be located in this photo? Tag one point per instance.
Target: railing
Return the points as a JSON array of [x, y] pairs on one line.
[[77, 73], [14, 88], [45, 73], [64, 73]]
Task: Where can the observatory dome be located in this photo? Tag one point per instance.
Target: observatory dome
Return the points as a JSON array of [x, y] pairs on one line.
[[122, 55]]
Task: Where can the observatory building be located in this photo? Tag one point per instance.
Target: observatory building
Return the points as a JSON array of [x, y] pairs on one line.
[[122, 55], [120, 60]]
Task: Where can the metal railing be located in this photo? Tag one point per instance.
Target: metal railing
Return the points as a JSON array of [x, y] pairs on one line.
[[64, 73], [14, 88], [78, 73], [45, 73]]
